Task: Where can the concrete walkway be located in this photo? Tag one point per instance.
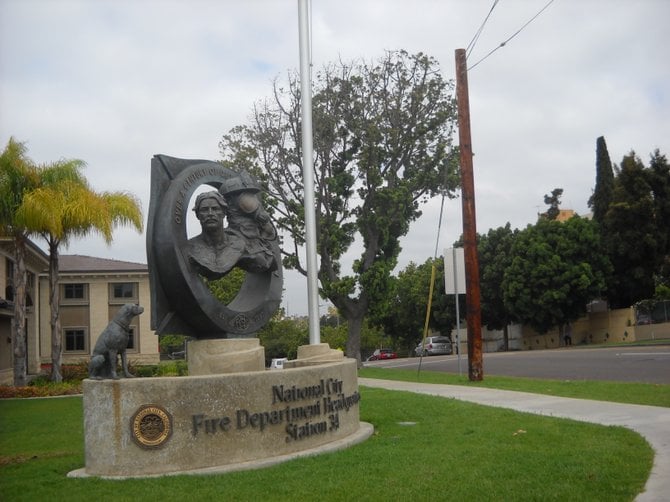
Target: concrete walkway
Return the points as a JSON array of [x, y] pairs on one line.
[[651, 422]]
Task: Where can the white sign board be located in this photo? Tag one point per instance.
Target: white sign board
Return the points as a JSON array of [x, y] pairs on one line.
[[454, 271]]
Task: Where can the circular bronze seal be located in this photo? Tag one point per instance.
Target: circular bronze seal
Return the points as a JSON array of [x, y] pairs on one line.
[[151, 426]]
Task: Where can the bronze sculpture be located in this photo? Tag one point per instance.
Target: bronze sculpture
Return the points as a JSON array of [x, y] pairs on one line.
[[181, 301]]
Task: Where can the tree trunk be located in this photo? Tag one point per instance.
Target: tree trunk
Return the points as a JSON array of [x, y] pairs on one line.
[[354, 326], [19, 323], [54, 304]]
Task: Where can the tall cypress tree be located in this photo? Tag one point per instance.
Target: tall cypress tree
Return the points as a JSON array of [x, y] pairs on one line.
[[600, 200], [658, 176], [630, 235]]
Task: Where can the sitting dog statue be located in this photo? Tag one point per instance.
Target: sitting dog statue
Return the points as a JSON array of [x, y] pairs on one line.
[[112, 342]]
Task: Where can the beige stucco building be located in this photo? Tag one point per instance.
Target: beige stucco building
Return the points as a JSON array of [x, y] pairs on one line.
[[91, 292], [36, 262]]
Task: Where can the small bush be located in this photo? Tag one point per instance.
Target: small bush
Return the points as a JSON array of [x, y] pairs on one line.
[[172, 343], [69, 372], [42, 390], [143, 371], [73, 374], [40, 381], [173, 368]]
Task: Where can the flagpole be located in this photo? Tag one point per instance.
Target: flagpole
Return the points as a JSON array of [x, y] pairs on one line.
[[308, 172]]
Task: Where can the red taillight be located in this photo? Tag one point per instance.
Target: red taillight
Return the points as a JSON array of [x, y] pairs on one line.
[[430, 345]]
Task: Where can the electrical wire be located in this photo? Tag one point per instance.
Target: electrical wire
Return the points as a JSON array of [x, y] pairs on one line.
[[472, 43], [502, 44]]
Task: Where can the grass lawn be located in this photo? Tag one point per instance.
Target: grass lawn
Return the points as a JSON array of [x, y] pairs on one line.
[[619, 392], [423, 448]]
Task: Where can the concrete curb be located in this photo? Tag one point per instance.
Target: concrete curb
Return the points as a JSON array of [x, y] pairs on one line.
[[652, 422]]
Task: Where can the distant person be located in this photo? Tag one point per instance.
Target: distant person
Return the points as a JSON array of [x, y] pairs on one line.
[[567, 334]]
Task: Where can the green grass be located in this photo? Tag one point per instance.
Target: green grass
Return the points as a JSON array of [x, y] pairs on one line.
[[619, 392], [450, 450]]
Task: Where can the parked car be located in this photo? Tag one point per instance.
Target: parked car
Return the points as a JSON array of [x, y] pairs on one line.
[[278, 363], [643, 319], [434, 345], [379, 354]]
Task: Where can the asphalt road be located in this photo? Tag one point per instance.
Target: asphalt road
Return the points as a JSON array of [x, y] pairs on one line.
[[647, 364]]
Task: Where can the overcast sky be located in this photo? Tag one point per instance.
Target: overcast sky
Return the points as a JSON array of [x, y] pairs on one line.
[[115, 82]]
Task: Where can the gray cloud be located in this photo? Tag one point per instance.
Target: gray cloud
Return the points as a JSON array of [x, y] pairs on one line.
[[114, 82]]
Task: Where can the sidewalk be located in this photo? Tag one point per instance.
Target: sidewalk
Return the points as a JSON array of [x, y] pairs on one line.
[[651, 422]]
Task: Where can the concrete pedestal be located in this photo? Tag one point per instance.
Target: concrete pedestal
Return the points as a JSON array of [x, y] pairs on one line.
[[212, 423], [230, 355]]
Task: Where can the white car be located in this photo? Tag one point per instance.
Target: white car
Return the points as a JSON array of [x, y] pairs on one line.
[[434, 345], [278, 363]]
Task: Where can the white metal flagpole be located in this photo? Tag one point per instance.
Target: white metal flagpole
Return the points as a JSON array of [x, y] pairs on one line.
[[308, 172]]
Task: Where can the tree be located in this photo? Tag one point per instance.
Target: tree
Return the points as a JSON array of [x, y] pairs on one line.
[[553, 201], [17, 175], [556, 269], [282, 336], [382, 147], [495, 256], [226, 288], [405, 316], [601, 198], [658, 176], [334, 336], [630, 235], [64, 206]]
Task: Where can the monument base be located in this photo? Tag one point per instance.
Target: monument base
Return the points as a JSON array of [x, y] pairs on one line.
[[212, 423], [315, 354], [226, 355]]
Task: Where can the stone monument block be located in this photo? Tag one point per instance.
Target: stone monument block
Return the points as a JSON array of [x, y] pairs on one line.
[[204, 424]]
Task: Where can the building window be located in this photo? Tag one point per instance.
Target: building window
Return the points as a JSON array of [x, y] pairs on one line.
[[30, 288], [74, 291], [9, 274], [131, 338], [123, 291], [75, 340]]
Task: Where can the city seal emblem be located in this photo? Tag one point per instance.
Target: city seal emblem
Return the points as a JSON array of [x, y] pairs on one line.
[[151, 426]]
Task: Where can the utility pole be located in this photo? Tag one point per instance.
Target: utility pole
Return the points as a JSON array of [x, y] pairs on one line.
[[473, 308]]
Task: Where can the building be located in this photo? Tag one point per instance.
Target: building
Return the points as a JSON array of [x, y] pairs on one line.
[[91, 292], [36, 262]]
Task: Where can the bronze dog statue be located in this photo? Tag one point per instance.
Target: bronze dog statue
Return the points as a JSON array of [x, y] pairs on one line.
[[113, 342]]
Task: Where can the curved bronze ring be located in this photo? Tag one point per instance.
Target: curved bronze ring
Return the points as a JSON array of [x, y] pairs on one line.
[[181, 301]]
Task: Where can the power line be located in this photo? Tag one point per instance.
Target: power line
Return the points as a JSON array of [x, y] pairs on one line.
[[472, 43], [514, 35]]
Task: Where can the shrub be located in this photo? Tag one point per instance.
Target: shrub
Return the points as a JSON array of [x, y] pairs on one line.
[[73, 374], [172, 368], [45, 389]]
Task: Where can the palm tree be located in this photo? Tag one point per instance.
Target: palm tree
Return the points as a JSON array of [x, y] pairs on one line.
[[63, 207], [17, 175]]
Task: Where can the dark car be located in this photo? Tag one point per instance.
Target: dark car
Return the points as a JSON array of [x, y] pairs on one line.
[[379, 354], [643, 319], [434, 345]]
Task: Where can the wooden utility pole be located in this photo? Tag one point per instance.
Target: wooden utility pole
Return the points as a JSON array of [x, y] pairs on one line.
[[473, 308]]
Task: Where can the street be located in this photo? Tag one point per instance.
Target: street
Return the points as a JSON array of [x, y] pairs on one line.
[[646, 364]]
